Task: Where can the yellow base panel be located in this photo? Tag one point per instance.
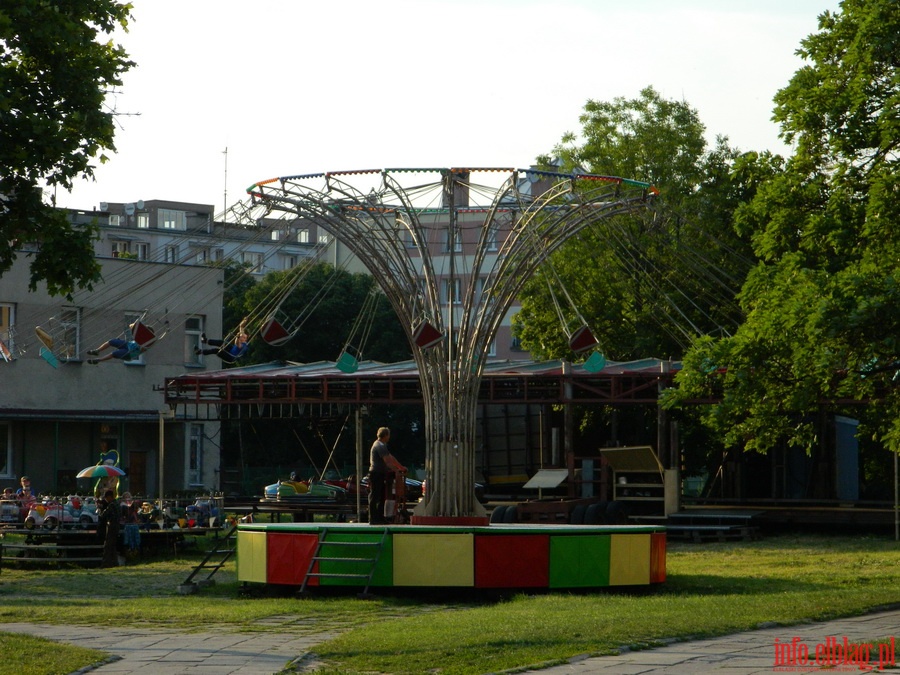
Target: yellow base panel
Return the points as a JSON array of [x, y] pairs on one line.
[[434, 560], [629, 559], [251, 563]]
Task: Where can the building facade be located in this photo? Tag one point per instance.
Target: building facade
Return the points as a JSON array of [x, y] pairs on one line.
[[59, 413]]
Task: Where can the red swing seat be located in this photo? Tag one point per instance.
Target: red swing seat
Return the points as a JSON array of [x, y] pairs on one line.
[[273, 333], [425, 335], [582, 339], [143, 335]]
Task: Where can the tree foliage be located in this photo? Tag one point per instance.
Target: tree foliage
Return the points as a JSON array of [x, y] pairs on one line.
[[823, 304], [56, 67], [650, 283]]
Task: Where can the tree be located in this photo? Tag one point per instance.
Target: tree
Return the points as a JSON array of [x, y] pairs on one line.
[[648, 285], [823, 304], [54, 76]]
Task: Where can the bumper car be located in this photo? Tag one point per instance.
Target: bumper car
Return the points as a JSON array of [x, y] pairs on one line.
[[298, 490], [52, 514], [10, 512], [203, 512]]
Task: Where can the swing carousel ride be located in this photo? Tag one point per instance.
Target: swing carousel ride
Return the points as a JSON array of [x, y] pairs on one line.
[[473, 235], [450, 255]]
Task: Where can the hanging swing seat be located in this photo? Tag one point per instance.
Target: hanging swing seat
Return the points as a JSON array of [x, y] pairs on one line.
[[49, 357], [595, 363], [273, 333], [44, 336], [56, 342], [582, 340], [347, 363], [8, 349], [425, 335], [142, 334]]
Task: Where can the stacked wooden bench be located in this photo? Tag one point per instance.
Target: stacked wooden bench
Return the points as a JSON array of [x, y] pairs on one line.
[[721, 525], [51, 552]]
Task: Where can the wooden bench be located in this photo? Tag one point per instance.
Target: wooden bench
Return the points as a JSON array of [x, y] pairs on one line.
[[698, 533]]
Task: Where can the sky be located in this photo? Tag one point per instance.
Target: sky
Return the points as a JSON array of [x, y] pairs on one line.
[[293, 87]]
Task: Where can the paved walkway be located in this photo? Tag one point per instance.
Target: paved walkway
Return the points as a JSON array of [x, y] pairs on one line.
[[754, 651], [155, 652]]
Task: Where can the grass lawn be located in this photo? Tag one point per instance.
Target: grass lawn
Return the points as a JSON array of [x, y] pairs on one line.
[[712, 589], [29, 655]]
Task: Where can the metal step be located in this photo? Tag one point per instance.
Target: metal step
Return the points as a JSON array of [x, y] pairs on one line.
[[338, 575], [371, 562], [359, 560]]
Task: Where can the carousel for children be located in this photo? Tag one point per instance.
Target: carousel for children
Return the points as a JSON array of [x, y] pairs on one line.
[[473, 236]]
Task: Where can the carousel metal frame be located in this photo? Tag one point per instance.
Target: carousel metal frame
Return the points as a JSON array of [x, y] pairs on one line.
[[423, 231]]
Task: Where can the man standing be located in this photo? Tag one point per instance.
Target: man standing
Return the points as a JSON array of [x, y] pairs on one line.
[[380, 461], [108, 528]]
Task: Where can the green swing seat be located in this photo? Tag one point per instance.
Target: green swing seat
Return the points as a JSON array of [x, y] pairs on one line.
[[347, 363]]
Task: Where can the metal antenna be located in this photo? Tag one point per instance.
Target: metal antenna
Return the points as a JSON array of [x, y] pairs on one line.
[[226, 177]]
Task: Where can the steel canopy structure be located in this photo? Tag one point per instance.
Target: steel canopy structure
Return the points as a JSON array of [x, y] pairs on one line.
[[451, 254]]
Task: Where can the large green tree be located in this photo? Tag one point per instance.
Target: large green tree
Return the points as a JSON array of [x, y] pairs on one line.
[[56, 68], [823, 303], [648, 284]]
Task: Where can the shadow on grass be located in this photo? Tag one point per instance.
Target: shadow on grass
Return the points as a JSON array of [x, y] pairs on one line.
[[709, 584], [682, 584]]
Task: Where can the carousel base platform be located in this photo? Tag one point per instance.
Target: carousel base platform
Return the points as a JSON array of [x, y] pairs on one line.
[[490, 557]]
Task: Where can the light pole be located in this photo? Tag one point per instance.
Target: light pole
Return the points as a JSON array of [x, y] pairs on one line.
[[164, 414]]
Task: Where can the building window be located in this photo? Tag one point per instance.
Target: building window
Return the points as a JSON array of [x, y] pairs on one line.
[[6, 451], [119, 248], [114, 220], [479, 289], [195, 456], [302, 236], [290, 262], [143, 221], [70, 327], [445, 291], [7, 331], [202, 257], [142, 251], [275, 235], [169, 219], [193, 329], [253, 261], [171, 254], [492, 236], [324, 238], [218, 255], [492, 348], [457, 242]]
